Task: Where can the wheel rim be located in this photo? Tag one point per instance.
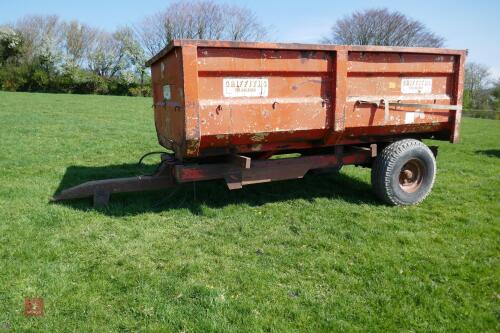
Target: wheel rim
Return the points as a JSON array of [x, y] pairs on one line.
[[411, 175]]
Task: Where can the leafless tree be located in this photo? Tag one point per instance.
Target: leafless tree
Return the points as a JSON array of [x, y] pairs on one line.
[[42, 35], [242, 24], [151, 32], [77, 40], [111, 55], [198, 19], [382, 27], [107, 55], [477, 79], [133, 52], [76, 44]]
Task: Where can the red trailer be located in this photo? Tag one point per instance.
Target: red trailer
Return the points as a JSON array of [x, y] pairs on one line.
[[226, 108]]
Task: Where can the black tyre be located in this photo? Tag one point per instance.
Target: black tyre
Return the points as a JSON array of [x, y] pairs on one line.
[[404, 172]]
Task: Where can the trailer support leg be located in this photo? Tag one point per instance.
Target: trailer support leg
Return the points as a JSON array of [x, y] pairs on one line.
[[101, 190], [101, 197]]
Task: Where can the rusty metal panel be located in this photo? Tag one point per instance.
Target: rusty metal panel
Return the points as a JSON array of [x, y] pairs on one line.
[[340, 90], [249, 97], [191, 145], [301, 89], [261, 60], [456, 116], [167, 79], [399, 62]]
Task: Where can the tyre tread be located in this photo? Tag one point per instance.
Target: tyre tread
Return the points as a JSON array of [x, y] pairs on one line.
[[382, 170]]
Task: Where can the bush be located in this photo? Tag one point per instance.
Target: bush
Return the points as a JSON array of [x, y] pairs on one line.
[[13, 78], [42, 76], [486, 114], [138, 91]]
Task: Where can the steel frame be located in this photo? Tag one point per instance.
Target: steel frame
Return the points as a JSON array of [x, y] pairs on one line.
[[236, 170]]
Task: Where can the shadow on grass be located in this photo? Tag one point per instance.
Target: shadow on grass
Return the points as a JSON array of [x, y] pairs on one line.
[[212, 194], [489, 152]]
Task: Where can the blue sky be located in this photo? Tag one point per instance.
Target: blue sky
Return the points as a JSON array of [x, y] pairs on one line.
[[474, 25]]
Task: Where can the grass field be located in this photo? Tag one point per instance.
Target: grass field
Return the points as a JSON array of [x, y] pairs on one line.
[[318, 254]]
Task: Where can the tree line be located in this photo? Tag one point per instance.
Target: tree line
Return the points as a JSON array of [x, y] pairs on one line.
[[481, 92], [47, 54]]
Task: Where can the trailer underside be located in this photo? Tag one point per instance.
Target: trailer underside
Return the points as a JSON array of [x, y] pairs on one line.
[[236, 170]]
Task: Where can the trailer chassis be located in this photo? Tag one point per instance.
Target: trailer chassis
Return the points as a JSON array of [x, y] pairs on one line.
[[236, 170]]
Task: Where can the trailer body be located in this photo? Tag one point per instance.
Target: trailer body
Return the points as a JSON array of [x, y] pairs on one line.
[[215, 98], [226, 108]]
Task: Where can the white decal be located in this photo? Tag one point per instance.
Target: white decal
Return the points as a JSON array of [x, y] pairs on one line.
[[409, 117], [245, 87], [167, 93], [416, 86]]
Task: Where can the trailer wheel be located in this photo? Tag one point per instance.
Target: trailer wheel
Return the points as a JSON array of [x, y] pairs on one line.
[[404, 172]]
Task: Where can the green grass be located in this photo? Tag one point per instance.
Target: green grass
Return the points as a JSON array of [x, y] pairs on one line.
[[318, 254]]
